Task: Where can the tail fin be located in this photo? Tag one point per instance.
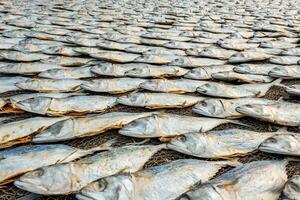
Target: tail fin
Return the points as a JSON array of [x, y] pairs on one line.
[[239, 123], [233, 162], [277, 82], [105, 146]]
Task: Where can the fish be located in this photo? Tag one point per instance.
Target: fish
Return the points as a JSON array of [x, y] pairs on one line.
[[73, 176], [259, 69], [282, 113], [61, 50], [66, 61], [219, 144], [173, 86], [193, 62], [113, 45], [286, 72], [114, 69], [68, 73], [184, 45], [262, 179], [236, 91], [285, 144], [137, 48], [20, 131], [19, 160], [247, 78], [113, 86], [153, 183], [22, 57], [248, 56], [155, 59], [27, 68], [291, 52], [292, 188], [277, 45], [8, 83], [50, 85], [285, 60], [159, 100], [205, 73], [213, 52], [115, 56], [226, 108], [238, 45], [156, 71], [166, 125], [293, 89], [161, 50], [75, 105], [77, 127]]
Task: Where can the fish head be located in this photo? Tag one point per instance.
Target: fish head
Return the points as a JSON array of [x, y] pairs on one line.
[[170, 44], [211, 107], [221, 75], [192, 51], [178, 61], [207, 52], [151, 85], [58, 131], [104, 68], [52, 50], [284, 143], [37, 105], [108, 188], [132, 99], [197, 73], [254, 110], [238, 57], [279, 72], [51, 60], [207, 88], [187, 143], [138, 71], [244, 69], [140, 127]]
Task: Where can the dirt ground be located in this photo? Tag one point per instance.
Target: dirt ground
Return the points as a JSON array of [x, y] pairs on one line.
[[9, 192]]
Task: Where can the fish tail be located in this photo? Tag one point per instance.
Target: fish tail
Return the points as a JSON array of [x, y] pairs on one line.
[[239, 123], [105, 146], [277, 82], [234, 162]]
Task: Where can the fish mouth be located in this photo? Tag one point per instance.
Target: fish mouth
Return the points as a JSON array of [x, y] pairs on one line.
[[27, 186], [202, 112], [201, 90]]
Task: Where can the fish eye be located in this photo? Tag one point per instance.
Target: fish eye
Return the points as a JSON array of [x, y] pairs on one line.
[[182, 138], [101, 185], [271, 140], [39, 172], [204, 104]]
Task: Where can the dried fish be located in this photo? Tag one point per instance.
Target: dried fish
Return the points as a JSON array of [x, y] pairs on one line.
[[248, 56], [205, 73], [286, 72], [247, 78], [22, 57], [86, 126], [259, 69], [192, 62], [285, 60], [156, 71], [8, 83], [69, 73], [73, 176], [292, 188], [293, 90], [183, 174], [66, 61]]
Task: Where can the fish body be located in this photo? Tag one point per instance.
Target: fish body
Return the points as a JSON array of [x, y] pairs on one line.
[[192, 62], [247, 78], [164, 182], [86, 126], [205, 73], [259, 69], [22, 57], [113, 86], [293, 90], [73, 176], [252, 181], [292, 188], [286, 72], [156, 71], [69, 73], [61, 106], [9, 83], [159, 100]]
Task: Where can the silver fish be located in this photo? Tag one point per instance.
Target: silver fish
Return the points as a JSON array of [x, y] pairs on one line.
[[293, 90], [282, 113], [291, 52], [247, 78], [285, 60], [8, 83], [174, 86], [64, 51], [27, 68], [226, 108], [156, 71], [259, 69], [156, 59], [164, 182], [113, 86], [204, 73], [22, 57], [69, 73], [192, 62], [19, 131], [286, 144], [50, 85], [73, 176], [17, 161], [214, 52], [292, 188], [261, 179], [286, 72], [219, 144], [248, 56], [169, 125], [86, 126], [66, 61], [115, 56], [236, 91], [159, 100], [68, 105], [113, 69]]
